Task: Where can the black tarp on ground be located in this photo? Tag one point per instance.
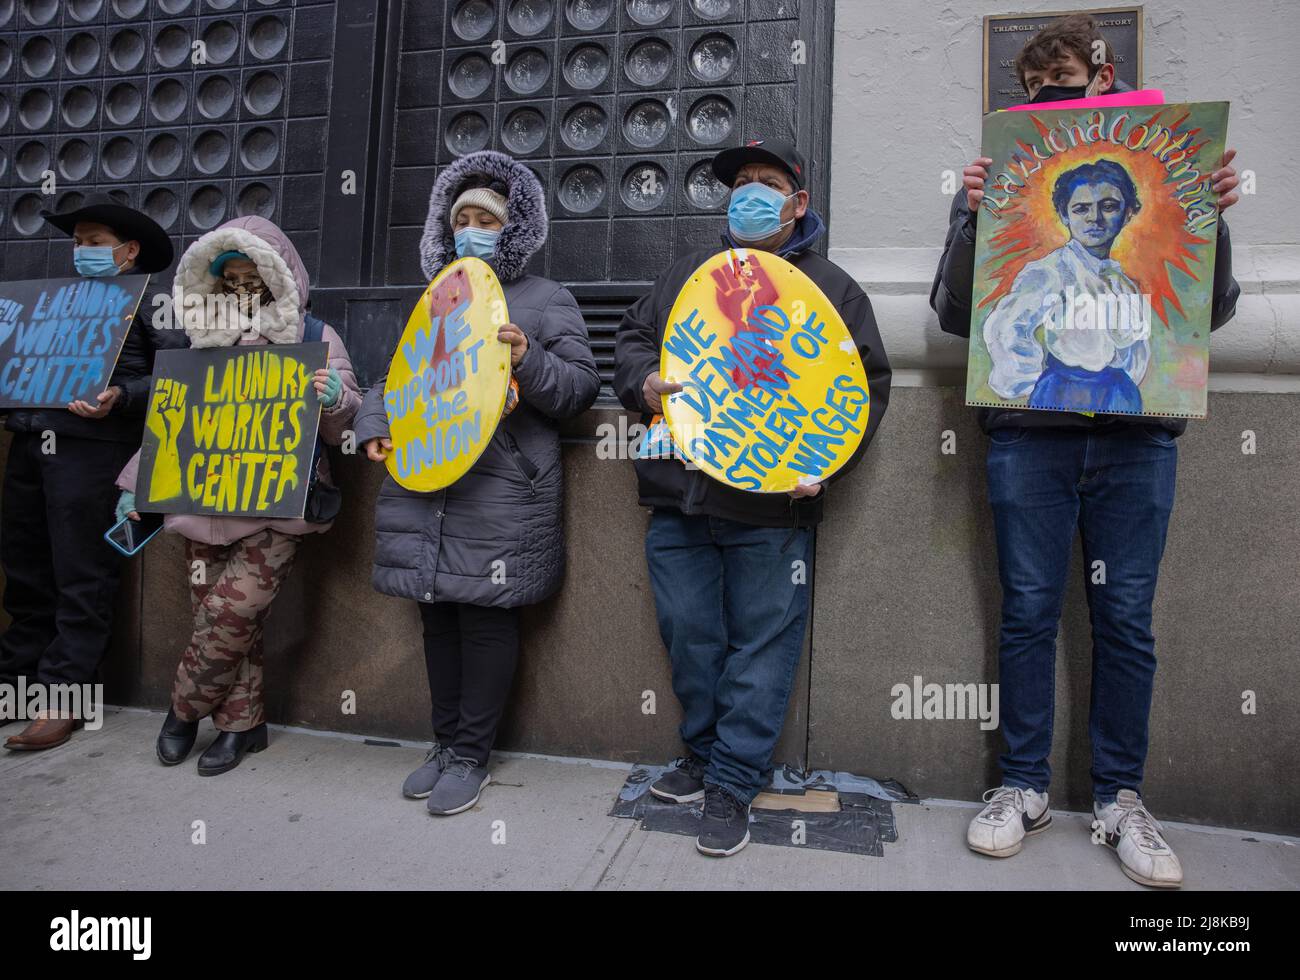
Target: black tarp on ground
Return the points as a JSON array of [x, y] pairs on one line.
[[864, 823]]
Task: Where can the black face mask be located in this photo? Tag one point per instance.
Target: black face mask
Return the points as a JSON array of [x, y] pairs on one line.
[[1059, 93]]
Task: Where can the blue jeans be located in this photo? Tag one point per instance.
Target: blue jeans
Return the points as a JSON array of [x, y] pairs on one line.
[[732, 616], [1118, 490]]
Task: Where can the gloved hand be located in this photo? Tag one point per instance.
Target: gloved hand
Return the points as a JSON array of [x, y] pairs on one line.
[[329, 387], [125, 506]]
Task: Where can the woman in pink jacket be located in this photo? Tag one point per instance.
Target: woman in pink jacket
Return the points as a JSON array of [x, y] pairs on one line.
[[245, 559]]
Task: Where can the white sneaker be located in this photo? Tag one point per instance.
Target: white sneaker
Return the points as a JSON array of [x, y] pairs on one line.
[[1012, 815], [1137, 837]]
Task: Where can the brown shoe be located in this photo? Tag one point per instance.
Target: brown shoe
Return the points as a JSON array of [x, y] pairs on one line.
[[43, 733]]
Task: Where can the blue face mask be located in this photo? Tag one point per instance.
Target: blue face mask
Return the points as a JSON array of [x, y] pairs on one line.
[[477, 242], [755, 212], [94, 260]]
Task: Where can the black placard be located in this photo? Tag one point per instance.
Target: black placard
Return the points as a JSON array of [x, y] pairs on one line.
[[1006, 34], [231, 431], [60, 338]]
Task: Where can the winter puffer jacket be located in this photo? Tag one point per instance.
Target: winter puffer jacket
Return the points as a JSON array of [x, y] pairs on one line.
[[281, 322], [508, 508], [667, 482]]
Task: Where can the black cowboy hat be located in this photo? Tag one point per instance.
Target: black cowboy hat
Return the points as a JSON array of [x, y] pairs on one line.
[[128, 224]]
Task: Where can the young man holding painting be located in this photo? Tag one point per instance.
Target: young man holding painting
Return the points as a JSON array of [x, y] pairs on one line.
[[1112, 477]]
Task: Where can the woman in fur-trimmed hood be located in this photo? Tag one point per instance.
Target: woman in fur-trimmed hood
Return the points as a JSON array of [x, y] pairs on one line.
[[254, 266], [475, 552]]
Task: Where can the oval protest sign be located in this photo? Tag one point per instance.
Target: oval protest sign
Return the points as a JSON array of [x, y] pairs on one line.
[[447, 382], [774, 391]]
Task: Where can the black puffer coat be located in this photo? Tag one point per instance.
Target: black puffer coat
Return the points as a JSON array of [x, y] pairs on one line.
[[444, 546]]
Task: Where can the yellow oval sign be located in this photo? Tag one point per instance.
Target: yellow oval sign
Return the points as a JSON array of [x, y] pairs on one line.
[[774, 394], [447, 381]]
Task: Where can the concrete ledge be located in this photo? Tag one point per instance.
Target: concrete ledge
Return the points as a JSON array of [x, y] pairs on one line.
[[905, 584]]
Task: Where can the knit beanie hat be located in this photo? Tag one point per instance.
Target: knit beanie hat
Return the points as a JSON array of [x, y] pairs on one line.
[[480, 197]]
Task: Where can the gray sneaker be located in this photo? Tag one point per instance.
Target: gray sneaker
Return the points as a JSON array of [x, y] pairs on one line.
[[420, 783], [459, 787]]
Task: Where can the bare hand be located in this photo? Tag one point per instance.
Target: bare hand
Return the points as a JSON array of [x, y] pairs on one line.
[[973, 178], [806, 490], [518, 341], [654, 388], [1224, 181], [104, 403], [378, 449]]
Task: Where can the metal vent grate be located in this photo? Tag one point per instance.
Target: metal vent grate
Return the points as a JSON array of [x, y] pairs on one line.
[[603, 305]]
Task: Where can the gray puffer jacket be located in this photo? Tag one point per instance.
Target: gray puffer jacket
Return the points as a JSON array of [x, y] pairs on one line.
[[445, 546]]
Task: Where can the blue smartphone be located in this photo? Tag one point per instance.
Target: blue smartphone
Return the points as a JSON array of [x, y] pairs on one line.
[[129, 536]]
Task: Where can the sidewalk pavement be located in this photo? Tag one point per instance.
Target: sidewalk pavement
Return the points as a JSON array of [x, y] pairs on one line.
[[325, 811]]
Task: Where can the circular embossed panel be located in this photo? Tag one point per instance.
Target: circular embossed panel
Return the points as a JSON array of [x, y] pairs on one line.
[[207, 207], [471, 76], [35, 108], [582, 189], [81, 53], [259, 148], [168, 100], [163, 206], [211, 151], [527, 71], [711, 119], [524, 131], [644, 186], [586, 66], [263, 93], [256, 199], [584, 126], [117, 157], [588, 15], [473, 19], [649, 12], [126, 51], [649, 62], [76, 159], [215, 97], [712, 57], [467, 132], [164, 155], [529, 17], [268, 37], [647, 123], [703, 189]]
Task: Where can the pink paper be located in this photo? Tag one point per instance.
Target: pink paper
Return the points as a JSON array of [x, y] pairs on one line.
[[1146, 96]]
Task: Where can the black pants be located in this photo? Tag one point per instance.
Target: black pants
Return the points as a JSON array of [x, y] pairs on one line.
[[470, 653], [61, 576]]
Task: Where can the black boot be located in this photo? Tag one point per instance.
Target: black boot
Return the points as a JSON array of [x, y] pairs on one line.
[[229, 748], [176, 739]]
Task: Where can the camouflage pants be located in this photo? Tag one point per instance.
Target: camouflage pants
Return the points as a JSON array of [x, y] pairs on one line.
[[220, 673]]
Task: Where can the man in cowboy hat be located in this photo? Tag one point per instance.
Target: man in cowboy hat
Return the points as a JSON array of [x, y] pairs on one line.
[[60, 575]]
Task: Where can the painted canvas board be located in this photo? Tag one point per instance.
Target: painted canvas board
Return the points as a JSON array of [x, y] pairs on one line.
[[1094, 260], [60, 338], [774, 391], [231, 430], [447, 383]]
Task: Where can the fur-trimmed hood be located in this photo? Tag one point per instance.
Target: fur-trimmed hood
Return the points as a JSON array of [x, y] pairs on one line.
[[280, 267], [525, 228]]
